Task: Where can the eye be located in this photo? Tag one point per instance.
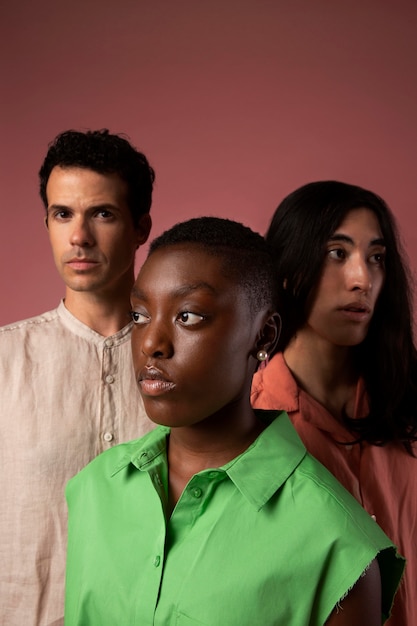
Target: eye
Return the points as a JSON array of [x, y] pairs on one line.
[[378, 258], [186, 318], [337, 253], [139, 318], [61, 214], [104, 214]]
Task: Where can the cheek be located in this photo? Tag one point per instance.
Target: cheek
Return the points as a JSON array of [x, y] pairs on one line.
[[55, 242], [378, 286], [220, 363], [126, 251], [201, 365], [318, 315]]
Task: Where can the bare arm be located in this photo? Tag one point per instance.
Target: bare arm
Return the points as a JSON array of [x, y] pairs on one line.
[[362, 606]]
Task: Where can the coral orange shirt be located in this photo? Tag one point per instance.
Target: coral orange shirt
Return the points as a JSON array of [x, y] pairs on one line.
[[382, 478]]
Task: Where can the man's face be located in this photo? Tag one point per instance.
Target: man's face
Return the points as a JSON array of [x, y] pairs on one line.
[[91, 230]]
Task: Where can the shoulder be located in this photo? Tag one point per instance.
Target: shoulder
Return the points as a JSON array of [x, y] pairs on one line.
[[322, 485], [26, 325], [30, 338], [323, 498], [115, 462], [344, 533]]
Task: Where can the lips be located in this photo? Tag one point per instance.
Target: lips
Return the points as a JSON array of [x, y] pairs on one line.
[[152, 382], [356, 311], [356, 307], [81, 263]]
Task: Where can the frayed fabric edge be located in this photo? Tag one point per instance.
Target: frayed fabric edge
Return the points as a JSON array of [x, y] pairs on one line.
[[338, 606]]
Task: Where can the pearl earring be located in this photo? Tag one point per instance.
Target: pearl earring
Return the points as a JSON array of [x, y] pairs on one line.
[[262, 355]]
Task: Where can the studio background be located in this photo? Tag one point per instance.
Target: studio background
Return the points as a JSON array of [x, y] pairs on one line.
[[234, 103]]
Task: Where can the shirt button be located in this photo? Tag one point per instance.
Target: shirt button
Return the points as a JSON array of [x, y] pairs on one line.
[[157, 561], [108, 437], [349, 446], [109, 379], [374, 517], [109, 343], [197, 492]]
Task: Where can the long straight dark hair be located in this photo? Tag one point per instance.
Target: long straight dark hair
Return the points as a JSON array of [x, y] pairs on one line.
[[387, 358]]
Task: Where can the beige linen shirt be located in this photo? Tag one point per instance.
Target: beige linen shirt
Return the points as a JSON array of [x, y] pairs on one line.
[[67, 394]]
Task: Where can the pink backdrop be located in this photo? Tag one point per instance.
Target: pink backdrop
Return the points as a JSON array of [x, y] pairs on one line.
[[235, 104]]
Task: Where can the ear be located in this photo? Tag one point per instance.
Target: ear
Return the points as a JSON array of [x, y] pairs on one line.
[[268, 336], [45, 221], [143, 229]]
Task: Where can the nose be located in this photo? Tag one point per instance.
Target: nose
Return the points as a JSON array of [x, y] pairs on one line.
[[81, 233], [154, 340], [358, 275]]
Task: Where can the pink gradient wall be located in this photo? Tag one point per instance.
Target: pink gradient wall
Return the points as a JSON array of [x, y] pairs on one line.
[[234, 103]]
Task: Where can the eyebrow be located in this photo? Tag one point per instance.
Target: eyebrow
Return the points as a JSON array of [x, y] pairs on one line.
[[182, 291], [95, 207], [345, 239]]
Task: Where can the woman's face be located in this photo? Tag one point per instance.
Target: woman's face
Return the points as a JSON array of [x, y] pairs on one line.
[[351, 281], [193, 337]]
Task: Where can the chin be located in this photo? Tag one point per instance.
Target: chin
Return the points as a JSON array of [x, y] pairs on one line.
[[350, 342]]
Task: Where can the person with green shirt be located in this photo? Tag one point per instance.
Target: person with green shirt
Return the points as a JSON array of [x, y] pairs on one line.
[[219, 516]]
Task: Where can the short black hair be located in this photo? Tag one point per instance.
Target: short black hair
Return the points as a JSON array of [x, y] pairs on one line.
[[245, 254], [105, 153]]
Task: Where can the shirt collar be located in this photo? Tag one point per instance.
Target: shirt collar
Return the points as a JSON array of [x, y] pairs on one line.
[[82, 330], [257, 473], [275, 386], [265, 466]]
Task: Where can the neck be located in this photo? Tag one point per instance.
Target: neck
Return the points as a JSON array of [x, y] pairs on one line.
[[325, 371], [103, 314], [208, 445], [215, 444]]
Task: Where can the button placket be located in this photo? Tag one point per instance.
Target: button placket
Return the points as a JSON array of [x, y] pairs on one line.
[[109, 391]]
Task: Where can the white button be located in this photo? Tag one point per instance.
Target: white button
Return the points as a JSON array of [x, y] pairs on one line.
[[349, 446], [108, 437], [109, 343], [109, 379], [374, 517]]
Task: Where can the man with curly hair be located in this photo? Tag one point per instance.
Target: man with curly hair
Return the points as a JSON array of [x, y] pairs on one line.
[[67, 381]]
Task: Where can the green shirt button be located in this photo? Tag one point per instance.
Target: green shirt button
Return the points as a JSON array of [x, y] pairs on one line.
[[157, 561]]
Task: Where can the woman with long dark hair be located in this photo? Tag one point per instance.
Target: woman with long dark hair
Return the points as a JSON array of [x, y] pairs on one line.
[[345, 368]]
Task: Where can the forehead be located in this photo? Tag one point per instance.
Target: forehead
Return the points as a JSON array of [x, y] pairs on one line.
[[359, 220], [67, 183], [183, 265]]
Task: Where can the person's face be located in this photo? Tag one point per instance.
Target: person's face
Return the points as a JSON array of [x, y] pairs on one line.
[[193, 337], [351, 280], [91, 229]]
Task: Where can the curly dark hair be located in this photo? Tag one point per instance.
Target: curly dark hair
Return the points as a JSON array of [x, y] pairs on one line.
[[102, 152], [387, 358], [245, 254]]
